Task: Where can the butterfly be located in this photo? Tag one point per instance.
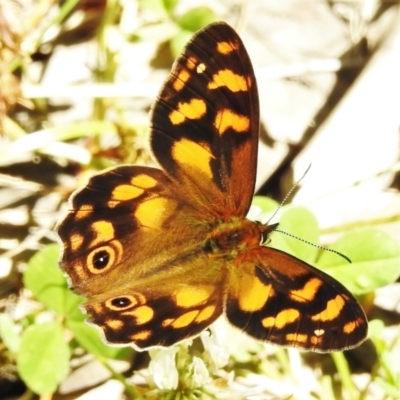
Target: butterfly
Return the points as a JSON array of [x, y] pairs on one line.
[[161, 253]]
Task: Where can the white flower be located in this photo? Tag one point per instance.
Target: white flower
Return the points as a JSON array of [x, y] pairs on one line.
[[162, 368], [216, 345], [201, 375]]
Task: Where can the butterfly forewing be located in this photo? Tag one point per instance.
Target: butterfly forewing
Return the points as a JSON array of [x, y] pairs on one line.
[[205, 123], [121, 226]]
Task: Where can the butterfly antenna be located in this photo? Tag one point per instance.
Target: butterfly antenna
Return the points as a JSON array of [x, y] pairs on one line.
[[314, 245], [289, 193]]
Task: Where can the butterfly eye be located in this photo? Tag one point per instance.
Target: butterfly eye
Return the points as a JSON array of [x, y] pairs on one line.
[[265, 231], [208, 246]]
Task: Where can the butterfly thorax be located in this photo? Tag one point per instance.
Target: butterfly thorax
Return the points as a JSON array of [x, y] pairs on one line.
[[233, 237]]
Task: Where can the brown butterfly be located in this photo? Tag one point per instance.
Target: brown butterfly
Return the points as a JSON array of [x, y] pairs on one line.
[[160, 254]]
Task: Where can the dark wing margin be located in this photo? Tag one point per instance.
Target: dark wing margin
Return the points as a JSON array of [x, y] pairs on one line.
[[205, 122]]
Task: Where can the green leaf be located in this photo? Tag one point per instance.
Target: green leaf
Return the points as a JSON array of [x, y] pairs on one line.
[[196, 18], [300, 225], [43, 359], [9, 333], [89, 338], [190, 22], [375, 333], [375, 257], [45, 280], [265, 203], [170, 5], [178, 42]]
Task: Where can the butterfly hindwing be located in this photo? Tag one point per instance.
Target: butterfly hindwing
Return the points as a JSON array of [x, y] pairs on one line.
[[151, 312], [278, 298], [205, 123]]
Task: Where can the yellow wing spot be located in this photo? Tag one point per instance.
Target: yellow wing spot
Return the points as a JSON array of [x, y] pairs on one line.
[[296, 338], [194, 109], [226, 47], [332, 310], [226, 119], [76, 241], [180, 80], [351, 326], [142, 335], [80, 270], [191, 63], [315, 340], [227, 78], [84, 211], [282, 319], [185, 319], [129, 192], [104, 231], [190, 296], [253, 295], [167, 322], [319, 332], [124, 193], [115, 324], [193, 156], [144, 181], [142, 314], [140, 298], [97, 308], [135, 189], [307, 292], [153, 212], [205, 314]]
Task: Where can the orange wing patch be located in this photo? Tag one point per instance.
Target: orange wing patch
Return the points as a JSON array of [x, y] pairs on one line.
[[194, 109], [230, 80], [227, 119]]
